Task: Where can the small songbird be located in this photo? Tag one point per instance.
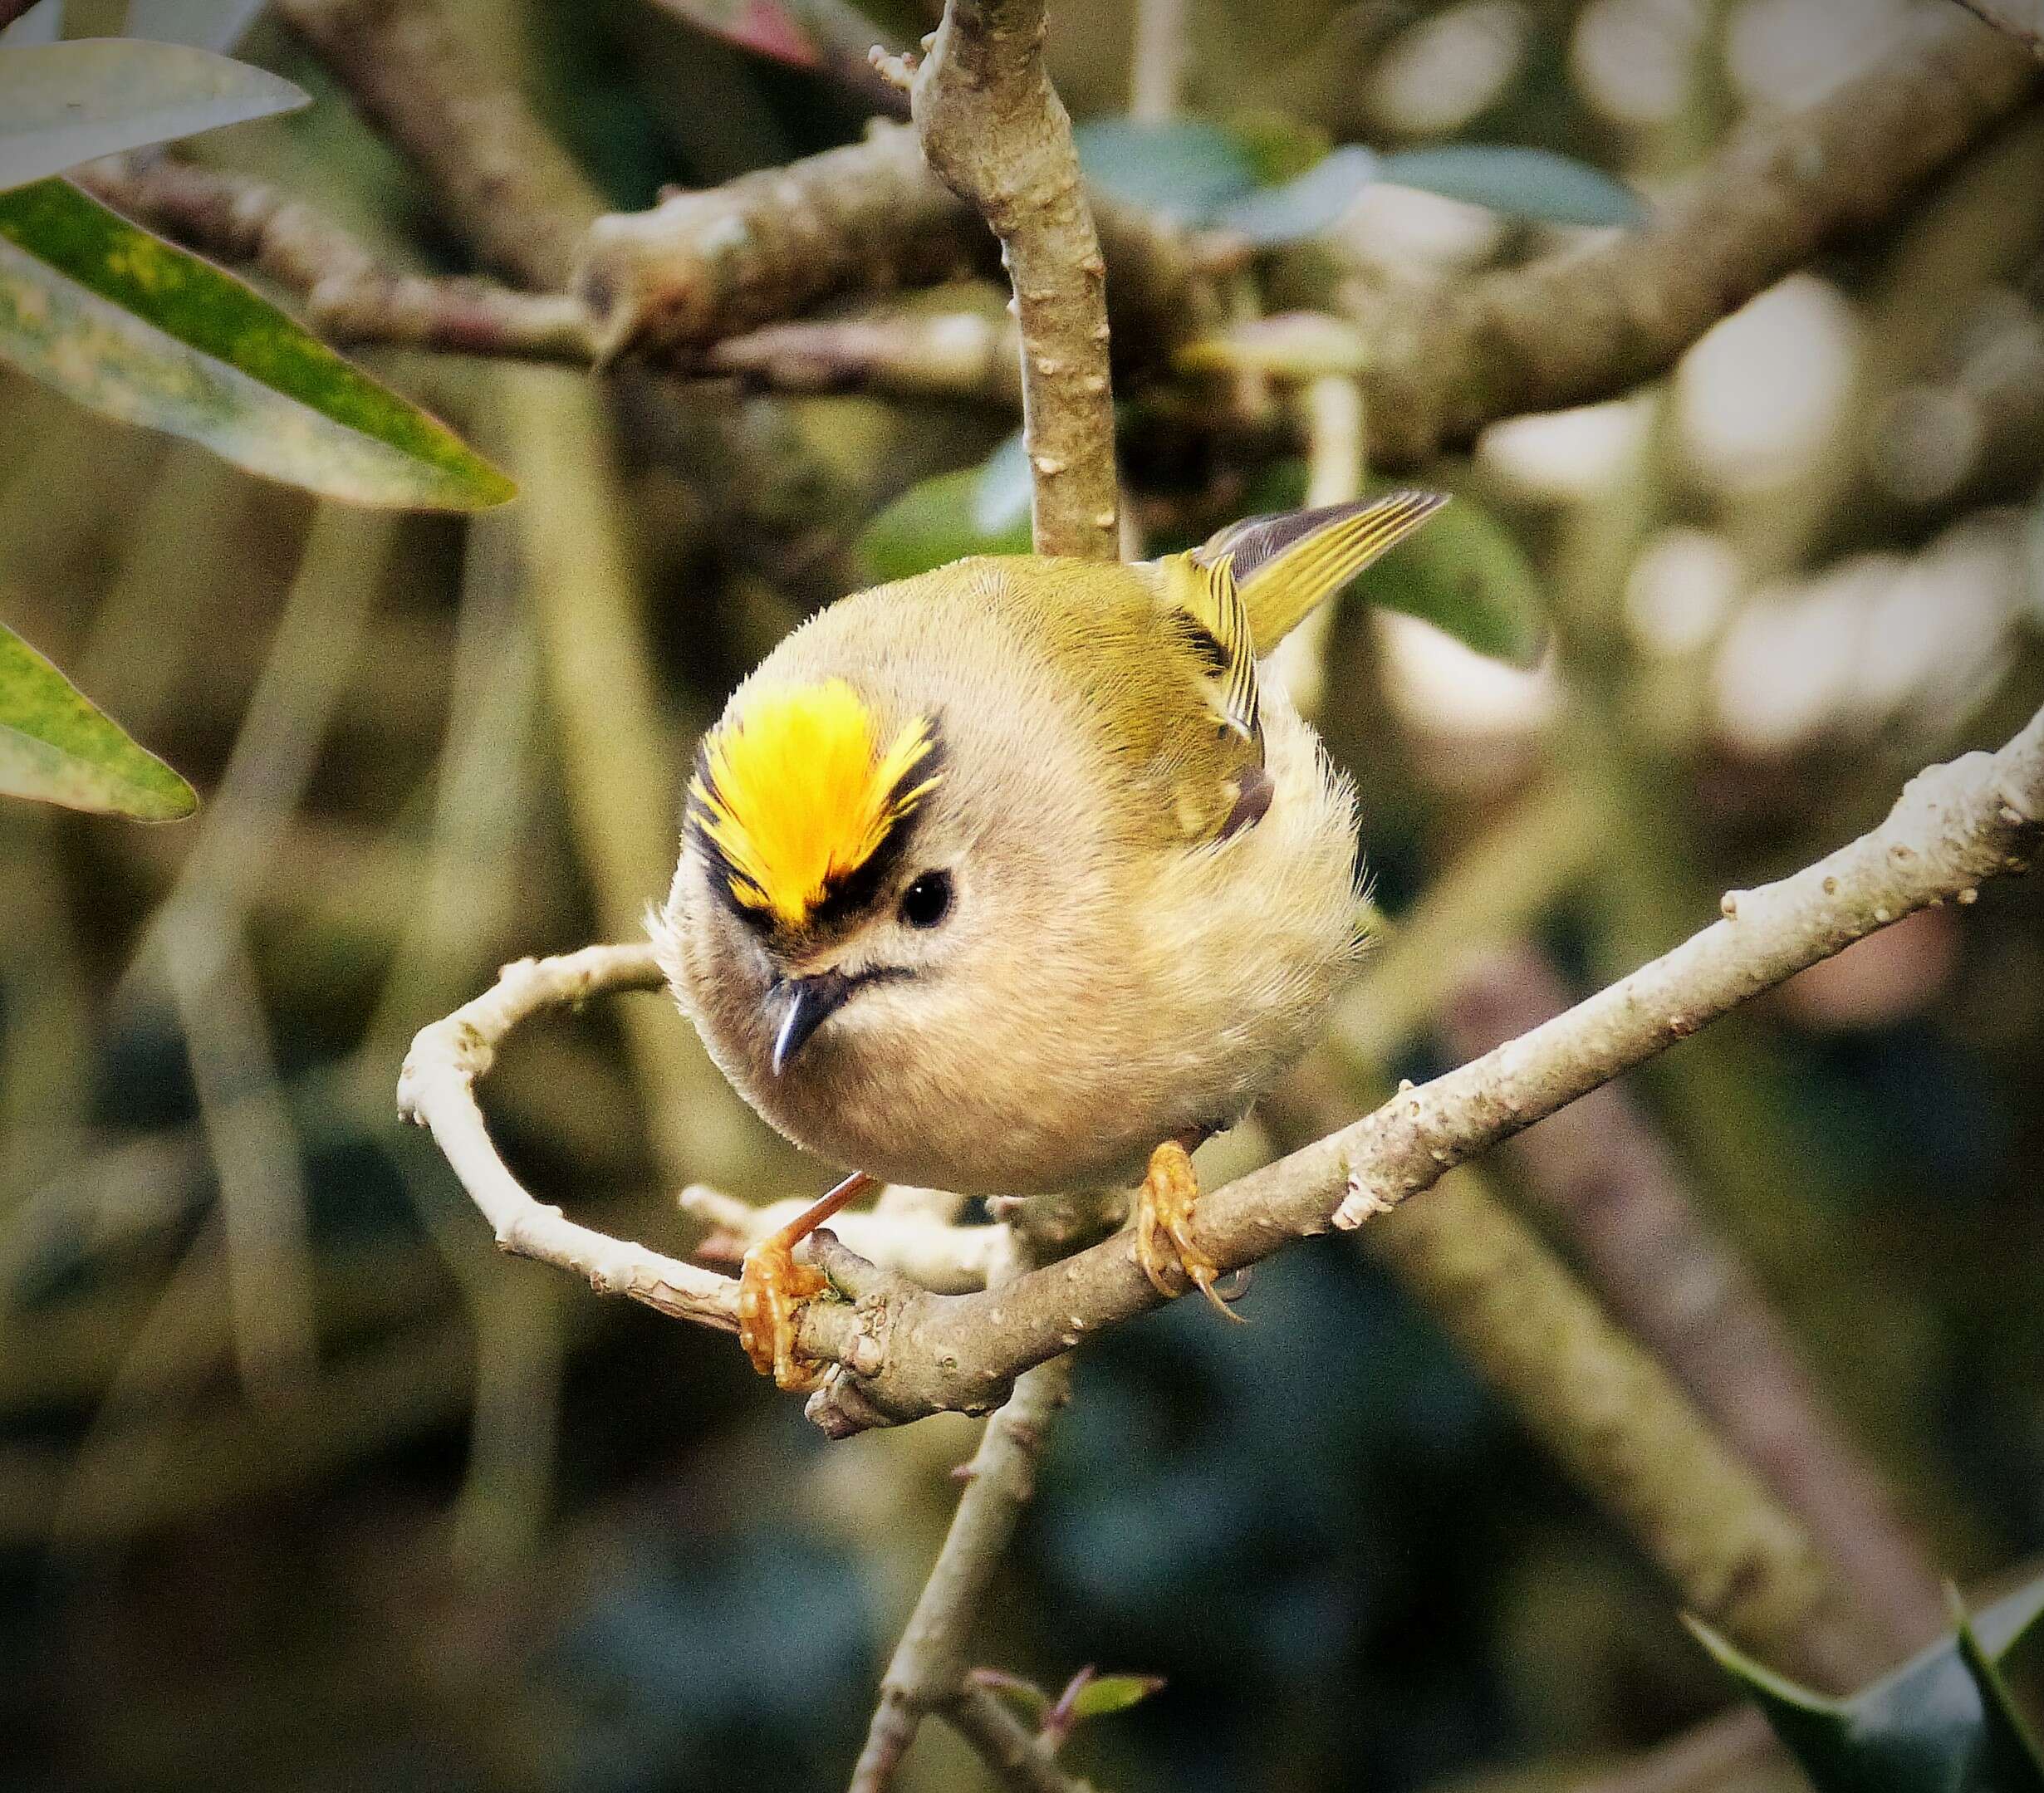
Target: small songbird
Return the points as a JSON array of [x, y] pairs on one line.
[[1011, 878]]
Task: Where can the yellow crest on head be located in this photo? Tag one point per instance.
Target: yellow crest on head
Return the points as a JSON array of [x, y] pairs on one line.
[[794, 795]]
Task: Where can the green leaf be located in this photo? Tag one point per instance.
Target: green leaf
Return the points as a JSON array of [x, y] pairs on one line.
[[1940, 1723], [947, 518], [1303, 206], [1465, 574], [130, 326], [62, 104], [1113, 1694], [1186, 169], [2011, 1747], [57, 746], [1532, 183]]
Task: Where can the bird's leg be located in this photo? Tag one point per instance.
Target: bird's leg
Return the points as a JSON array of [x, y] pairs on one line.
[[1164, 1245], [772, 1287]]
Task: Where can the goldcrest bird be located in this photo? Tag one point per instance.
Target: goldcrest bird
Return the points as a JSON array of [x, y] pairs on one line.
[[1010, 878]]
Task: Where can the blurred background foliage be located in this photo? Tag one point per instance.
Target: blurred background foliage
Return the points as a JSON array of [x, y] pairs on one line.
[[303, 1486]]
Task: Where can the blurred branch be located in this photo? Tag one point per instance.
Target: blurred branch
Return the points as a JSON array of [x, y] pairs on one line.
[[994, 131], [1612, 1415], [1602, 1169], [1577, 327], [928, 1668], [349, 295], [1157, 63], [868, 217], [950, 354], [573, 538], [2029, 36], [425, 76]]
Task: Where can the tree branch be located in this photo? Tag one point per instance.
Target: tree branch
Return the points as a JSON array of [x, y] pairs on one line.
[[1008, 1745], [348, 294], [422, 73], [1955, 826], [1574, 328], [928, 1669], [992, 128]]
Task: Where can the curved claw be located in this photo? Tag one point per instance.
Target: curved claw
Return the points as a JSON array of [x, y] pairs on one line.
[[771, 1288], [1164, 1247]]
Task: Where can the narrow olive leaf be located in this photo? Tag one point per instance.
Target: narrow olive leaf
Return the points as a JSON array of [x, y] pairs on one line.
[[204, 24], [1113, 1694], [1465, 574], [1303, 206], [134, 328], [1530, 184], [1187, 169], [62, 104], [57, 746], [936, 522]]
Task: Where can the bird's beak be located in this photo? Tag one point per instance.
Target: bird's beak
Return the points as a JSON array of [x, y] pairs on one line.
[[803, 1004]]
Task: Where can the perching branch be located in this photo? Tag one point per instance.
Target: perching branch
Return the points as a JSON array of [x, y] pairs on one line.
[[1956, 827], [992, 128], [1016, 1754]]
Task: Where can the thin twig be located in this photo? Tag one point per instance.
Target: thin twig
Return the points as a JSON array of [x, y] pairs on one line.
[[925, 1250], [1010, 1749], [349, 295], [992, 128], [436, 1090], [928, 1668]]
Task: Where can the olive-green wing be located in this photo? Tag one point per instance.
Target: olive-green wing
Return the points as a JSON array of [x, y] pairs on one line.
[[1287, 566]]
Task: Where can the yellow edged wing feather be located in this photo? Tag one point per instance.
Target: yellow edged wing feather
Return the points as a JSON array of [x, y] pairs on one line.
[[1287, 566]]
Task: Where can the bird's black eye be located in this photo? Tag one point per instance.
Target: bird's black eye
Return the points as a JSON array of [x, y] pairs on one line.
[[927, 900]]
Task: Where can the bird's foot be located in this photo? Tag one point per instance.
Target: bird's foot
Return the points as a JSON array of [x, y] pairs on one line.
[[771, 1288], [1164, 1247]]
